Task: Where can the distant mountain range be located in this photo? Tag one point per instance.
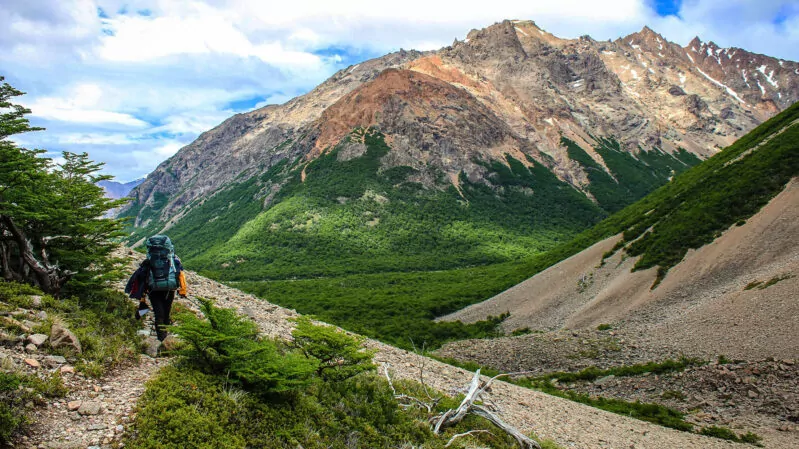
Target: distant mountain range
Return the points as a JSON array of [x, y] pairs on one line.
[[118, 190], [489, 150]]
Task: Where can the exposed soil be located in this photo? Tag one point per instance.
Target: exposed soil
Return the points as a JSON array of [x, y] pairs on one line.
[[734, 296]]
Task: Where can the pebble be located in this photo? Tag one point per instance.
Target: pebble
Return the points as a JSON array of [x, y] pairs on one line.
[[32, 363]]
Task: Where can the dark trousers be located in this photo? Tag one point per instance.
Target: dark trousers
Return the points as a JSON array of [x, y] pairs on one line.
[[162, 307]]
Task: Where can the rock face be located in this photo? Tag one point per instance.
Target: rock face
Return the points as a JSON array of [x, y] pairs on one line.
[[511, 88]]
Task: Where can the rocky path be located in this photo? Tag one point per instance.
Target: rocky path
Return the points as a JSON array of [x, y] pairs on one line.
[[97, 412]]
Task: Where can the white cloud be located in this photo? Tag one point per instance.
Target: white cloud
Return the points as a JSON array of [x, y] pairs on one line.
[[200, 30], [132, 88], [80, 105]]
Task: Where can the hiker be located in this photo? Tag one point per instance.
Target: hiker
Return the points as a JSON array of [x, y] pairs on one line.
[[159, 276]]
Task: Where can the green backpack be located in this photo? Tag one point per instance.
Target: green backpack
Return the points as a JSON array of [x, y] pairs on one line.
[[161, 256]]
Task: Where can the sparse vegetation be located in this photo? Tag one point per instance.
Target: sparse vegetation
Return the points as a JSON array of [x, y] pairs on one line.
[[654, 413], [727, 434], [100, 319], [102, 322], [323, 397], [17, 390], [593, 373]]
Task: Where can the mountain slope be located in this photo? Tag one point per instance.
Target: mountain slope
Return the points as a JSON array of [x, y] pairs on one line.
[[458, 117], [689, 263], [472, 159]]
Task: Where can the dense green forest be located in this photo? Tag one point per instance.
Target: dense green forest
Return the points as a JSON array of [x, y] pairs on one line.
[[349, 217], [383, 256]]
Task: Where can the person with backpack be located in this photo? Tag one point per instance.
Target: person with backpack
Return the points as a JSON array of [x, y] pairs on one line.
[[159, 276]]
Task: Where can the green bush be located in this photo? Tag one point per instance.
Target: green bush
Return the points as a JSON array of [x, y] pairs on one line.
[[340, 356], [726, 434], [11, 414], [225, 343], [220, 395]]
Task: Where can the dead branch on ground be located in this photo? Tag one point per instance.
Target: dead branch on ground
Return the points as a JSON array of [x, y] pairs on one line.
[[454, 416]]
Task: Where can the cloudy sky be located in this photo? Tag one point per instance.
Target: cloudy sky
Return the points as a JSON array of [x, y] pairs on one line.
[[131, 82]]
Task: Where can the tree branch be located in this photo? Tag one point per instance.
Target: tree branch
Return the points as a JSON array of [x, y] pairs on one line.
[[459, 435]]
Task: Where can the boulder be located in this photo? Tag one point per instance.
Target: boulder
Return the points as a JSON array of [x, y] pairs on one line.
[[171, 343], [73, 405], [30, 348], [151, 346], [37, 339], [89, 408], [54, 360], [676, 91], [61, 337]]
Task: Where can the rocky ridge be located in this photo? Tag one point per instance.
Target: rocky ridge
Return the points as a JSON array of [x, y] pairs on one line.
[[511, 88]]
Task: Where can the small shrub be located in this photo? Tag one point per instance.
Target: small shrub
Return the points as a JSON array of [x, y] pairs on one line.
[[751, 438], [604, 327], [340, 355], [18, 389], [226, 343], [11, 415], [752, 285], [727, 434], [521, 331], [774, 280], [719, 432]]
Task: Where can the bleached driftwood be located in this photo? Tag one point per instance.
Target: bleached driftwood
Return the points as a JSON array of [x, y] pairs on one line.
[[453, 416]]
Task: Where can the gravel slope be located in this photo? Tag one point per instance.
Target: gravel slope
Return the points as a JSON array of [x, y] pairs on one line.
[[703, 307]]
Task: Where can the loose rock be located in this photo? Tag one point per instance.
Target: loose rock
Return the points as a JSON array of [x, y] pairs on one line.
[[61, 337], [37, 339], [32, 363], [89, 408]]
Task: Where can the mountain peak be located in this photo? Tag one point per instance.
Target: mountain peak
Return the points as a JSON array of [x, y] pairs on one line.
[[695, 43]]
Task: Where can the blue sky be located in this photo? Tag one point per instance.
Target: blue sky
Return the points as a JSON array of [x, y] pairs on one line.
[[132, 82]]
